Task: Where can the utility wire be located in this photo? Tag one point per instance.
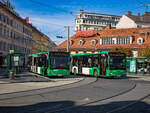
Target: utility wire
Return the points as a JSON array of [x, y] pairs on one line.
[[49, 6], [60, 33], [45, 22], [133, 9], [140, 2], [145, 5]]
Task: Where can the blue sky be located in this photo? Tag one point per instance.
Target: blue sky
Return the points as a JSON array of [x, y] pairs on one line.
[[50, 16]]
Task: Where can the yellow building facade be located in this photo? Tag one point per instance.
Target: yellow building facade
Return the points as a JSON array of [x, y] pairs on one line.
[[41, 42]]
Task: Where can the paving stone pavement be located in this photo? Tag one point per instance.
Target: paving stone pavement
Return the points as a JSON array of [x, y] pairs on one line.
[[28, 81], [139, 77]]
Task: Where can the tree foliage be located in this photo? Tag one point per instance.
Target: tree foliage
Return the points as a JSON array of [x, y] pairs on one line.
[[127, 51], [144, 52]]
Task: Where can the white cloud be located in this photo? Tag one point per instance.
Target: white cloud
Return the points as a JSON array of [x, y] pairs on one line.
[[51, 25]]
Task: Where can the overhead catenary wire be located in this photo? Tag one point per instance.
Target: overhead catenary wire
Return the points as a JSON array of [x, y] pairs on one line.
[[53, 7], [132, 9], [145, 5], [46, 22], [140, 2]]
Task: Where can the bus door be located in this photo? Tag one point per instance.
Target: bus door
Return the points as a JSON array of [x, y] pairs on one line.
[[103, 64], [80, 64]]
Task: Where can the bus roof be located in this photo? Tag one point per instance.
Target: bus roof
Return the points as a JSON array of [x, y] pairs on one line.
[[102, 52], [80, 54], [38, 53], [47, 53]]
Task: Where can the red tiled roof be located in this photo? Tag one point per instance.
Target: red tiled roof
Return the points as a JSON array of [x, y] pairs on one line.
[[84, 34], [135, 32], [143, 18]]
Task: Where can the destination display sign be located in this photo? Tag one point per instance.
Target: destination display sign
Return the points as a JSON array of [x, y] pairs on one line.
[[58, 54], [117, 54]]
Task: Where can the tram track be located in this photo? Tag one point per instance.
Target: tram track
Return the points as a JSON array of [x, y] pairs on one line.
[[71, 107], [59, 109]]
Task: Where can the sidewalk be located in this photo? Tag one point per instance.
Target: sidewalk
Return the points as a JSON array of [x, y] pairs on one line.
[[28, 81], [145, 77], [2, 74]]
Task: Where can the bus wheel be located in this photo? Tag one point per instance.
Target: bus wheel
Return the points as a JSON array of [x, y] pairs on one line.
[[75, 72], [95, 73]]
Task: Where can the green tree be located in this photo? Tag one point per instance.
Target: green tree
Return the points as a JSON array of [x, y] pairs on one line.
[[144, 52]]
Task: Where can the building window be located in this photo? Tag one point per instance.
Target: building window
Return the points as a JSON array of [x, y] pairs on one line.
[[93, 42], [84, 51], [81, 42], [93, 51], [140, 40], [71, 42]]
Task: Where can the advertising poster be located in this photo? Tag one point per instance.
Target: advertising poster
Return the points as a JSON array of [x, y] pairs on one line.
[[133, 66]]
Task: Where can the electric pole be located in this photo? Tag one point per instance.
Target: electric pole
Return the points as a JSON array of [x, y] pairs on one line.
[[68, 34]]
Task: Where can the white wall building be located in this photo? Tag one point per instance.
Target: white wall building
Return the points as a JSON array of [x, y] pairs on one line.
[[94, 21], [133, 21]]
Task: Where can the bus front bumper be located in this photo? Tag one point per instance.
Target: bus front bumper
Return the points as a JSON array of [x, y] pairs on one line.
[[117, 73], [58, 72]]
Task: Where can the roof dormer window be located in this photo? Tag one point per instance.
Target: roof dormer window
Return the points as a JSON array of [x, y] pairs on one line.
[[93, 42], [71, 42], [140, 40], [81, 42]]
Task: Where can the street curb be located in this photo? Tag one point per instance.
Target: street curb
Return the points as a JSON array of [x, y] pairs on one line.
[[43, 88], [8, 95], [36, 74]]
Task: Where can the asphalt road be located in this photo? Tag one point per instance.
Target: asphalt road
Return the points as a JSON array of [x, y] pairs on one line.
[[88, 96]]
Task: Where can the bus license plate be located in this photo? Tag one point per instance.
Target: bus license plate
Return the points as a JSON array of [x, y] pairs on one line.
[[59, 75]]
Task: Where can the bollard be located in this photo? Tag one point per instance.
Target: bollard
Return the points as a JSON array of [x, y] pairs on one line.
[[11, 75]]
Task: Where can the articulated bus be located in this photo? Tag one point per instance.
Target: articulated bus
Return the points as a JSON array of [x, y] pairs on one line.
[[106, 64], [50, 63]]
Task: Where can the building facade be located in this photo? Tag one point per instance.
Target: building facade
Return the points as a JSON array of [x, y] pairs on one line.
[[134, 21], [41, 42], [94, 21], [106, 40], [15, 33]]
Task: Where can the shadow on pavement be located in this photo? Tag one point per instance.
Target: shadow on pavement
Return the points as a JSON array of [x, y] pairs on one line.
[[55, 107]]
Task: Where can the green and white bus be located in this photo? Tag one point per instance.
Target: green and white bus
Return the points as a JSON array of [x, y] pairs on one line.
[[50, 63], [106, 64]]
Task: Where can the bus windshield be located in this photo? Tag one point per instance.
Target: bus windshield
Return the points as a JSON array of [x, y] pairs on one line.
[[117, 62], [59, 62]]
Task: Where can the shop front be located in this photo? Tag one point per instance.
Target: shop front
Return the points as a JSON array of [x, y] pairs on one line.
[[3, 63]]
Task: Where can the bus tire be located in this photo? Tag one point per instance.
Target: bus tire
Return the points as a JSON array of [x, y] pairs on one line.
[[95, 73]]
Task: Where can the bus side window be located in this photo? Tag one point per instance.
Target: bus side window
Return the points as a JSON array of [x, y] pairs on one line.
[[80, 62], [106, 61], [85, 61], [95, 61], [75, 61], [45, 60], [90, 61]]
